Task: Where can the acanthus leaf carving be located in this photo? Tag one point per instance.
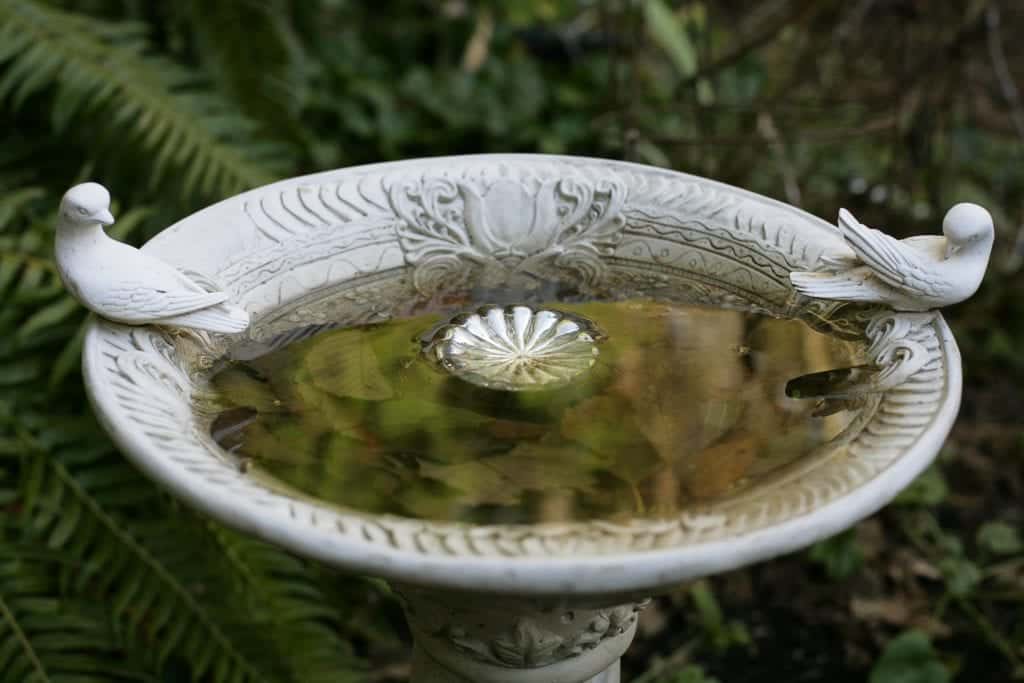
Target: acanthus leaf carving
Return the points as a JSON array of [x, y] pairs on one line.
[[528, 643]]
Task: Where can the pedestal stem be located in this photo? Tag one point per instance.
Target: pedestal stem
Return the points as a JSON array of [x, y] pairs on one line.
[[469, 638], [426, 670]]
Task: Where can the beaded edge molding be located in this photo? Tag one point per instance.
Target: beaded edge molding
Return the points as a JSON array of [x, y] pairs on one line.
[[615, 225]]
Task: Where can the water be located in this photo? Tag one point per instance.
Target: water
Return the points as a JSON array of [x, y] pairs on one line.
[[682, 405]]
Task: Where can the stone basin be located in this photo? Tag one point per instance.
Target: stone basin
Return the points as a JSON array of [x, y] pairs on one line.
[[546, 599]]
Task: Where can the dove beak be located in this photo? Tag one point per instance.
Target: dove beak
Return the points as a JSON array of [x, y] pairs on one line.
[[104, 217]]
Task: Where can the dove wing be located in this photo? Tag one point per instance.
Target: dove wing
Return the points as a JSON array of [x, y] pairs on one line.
[[897, 264], [137, 302]]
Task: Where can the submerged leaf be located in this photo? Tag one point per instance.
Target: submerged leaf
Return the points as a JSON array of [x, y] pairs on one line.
[[243, 389], [346, 365]]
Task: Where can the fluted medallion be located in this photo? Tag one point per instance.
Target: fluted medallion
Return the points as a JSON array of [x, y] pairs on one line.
[[515, 348]]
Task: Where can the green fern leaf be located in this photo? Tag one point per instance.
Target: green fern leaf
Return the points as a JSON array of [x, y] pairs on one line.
[[251, 51], [105, 74], [48, 639]]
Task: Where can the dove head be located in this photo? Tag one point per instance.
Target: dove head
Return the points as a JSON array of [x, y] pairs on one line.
[[967, 224], [86, 204]]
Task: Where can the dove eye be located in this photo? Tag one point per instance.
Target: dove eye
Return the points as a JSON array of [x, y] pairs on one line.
[[82, 210]]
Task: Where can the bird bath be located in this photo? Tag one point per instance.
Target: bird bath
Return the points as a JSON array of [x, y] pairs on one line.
[[528, 391]]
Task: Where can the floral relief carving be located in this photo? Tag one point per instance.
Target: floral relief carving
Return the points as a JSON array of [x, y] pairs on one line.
[[528, 643], [508, 225]]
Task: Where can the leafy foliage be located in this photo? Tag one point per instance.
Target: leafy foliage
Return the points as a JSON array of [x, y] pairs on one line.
[[722, 634], [103, 76], [999, 538], [103, 578], [909, 658], [841, 555], [690, 674], [47, 638]]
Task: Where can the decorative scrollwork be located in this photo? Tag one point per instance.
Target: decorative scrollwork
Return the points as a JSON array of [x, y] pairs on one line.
[[893, 349], [451, 227]]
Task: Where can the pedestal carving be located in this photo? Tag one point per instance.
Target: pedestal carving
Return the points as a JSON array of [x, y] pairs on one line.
[[486, 639]]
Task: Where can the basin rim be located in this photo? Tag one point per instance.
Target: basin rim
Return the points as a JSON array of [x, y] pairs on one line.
[[620, 573]]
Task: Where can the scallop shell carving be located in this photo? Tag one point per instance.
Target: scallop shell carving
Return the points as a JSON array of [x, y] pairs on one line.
[[515, 348]]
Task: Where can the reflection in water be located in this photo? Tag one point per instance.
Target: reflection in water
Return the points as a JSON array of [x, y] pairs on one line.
[[837, 383], [836, 390], [684, 404]]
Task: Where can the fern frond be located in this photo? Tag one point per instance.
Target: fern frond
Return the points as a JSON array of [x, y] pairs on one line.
[[185, 133], [36, 314], [12, 202], [147, 597], [283, 596], [252, 52], [18, 647], [234, 609], [48, 639], [74, 490]]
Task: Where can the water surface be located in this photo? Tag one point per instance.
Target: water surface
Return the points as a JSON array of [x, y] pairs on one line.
[[683, 405]]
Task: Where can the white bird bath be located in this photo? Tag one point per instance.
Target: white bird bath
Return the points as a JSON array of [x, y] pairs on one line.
[[553, 597]]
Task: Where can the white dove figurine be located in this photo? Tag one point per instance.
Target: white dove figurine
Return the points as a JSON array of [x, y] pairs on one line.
[[916, 274], [120, 283]]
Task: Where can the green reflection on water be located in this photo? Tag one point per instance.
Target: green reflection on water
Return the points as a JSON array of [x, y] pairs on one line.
[[684, 404]]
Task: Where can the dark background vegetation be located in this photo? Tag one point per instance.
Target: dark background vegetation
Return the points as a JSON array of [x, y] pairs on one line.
[[895, 109]]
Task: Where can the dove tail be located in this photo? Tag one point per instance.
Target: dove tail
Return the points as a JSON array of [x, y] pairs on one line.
[[224, 318], [870, 245], [829, 286]]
